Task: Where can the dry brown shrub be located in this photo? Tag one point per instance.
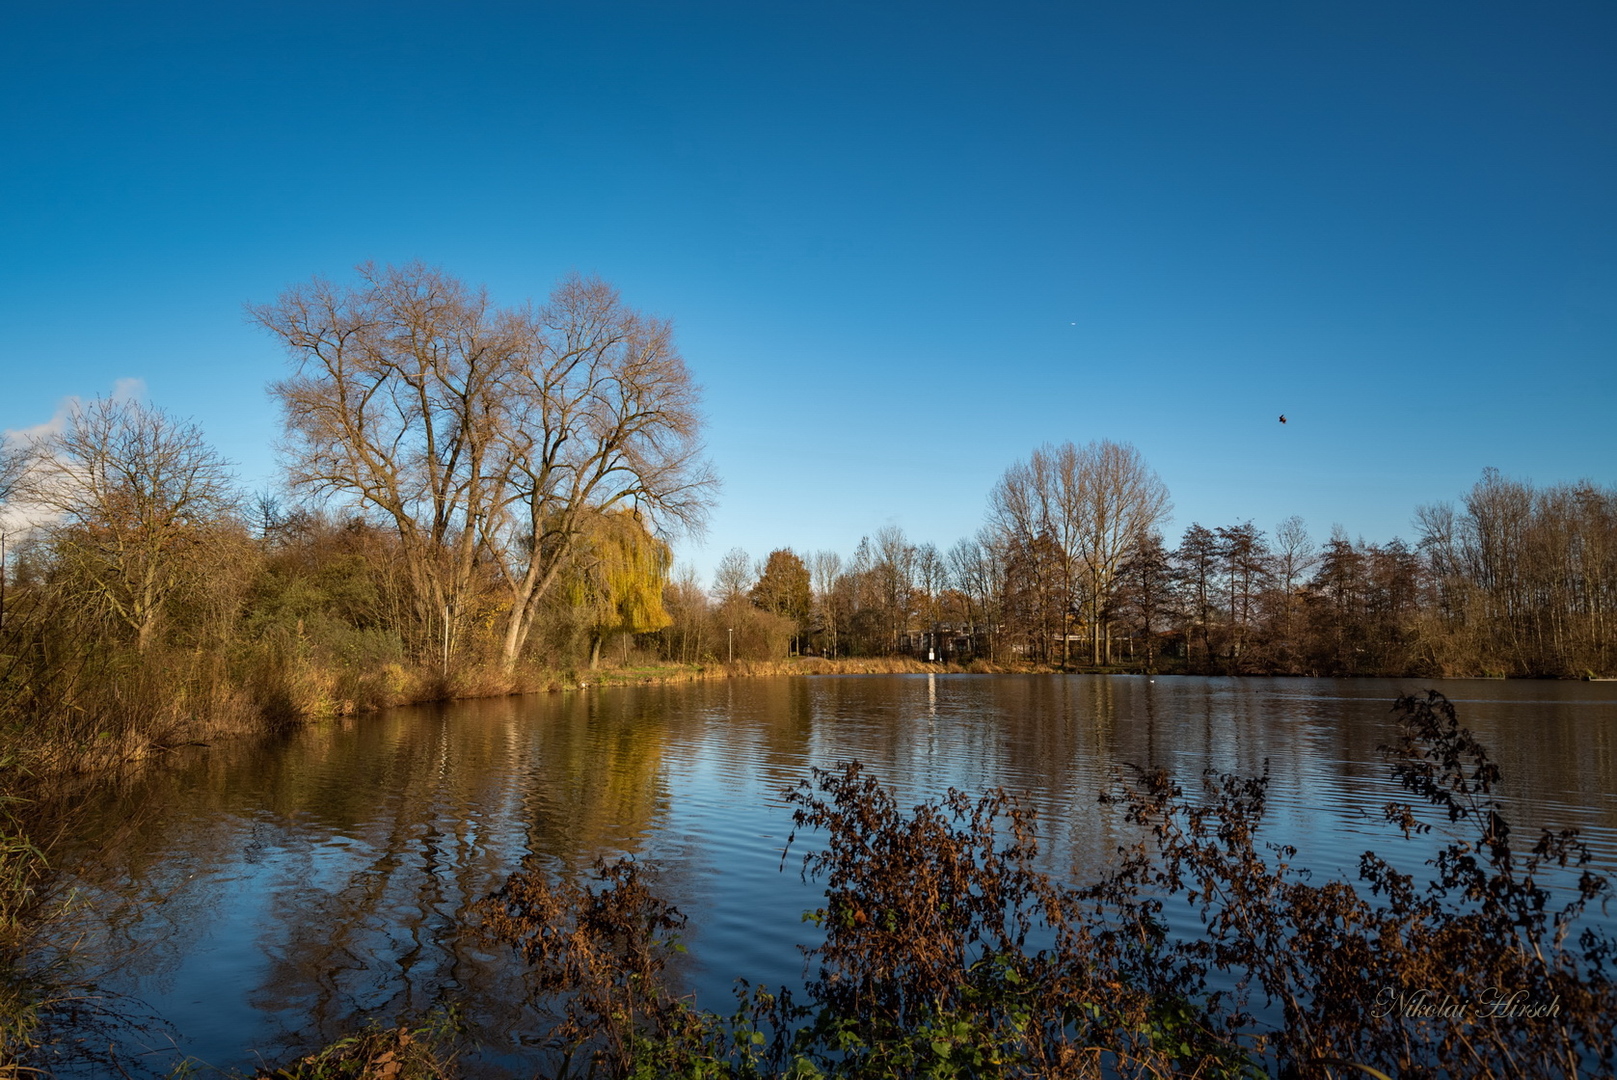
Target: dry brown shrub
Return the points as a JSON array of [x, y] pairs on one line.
[[946, 953], [596, 959]]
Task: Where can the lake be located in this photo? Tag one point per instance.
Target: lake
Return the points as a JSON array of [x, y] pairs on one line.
[[260, 899]]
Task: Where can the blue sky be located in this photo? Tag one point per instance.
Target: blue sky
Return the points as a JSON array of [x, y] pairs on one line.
[[903, 244]]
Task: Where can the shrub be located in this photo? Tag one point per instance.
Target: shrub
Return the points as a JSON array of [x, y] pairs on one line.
[[947, 954]]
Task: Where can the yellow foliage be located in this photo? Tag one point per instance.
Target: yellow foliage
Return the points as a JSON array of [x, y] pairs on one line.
[[618, 573]]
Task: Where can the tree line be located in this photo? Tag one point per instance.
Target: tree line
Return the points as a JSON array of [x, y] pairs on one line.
[[475, 493], [1070, 570]]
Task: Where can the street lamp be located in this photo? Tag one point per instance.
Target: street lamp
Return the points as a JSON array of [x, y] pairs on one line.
[[732, 633]]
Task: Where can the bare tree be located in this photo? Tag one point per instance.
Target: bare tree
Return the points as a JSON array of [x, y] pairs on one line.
[[1118, 501], [824, 569], [487, 436], [1524, 577], [131, 495], [1090, 506], [1021, 507], [267, 513], [602, 414], [1295, 554], [977, 569], [893, 573], [688, 608], [398, 402], [733, 577], [930, 581]]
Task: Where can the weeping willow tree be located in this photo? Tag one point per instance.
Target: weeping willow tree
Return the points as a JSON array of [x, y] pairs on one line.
[[615, 583]]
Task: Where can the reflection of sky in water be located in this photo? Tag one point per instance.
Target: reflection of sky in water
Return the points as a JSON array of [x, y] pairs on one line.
[[295, 889]]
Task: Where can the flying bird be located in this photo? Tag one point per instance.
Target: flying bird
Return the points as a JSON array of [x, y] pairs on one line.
[[1282, 418]]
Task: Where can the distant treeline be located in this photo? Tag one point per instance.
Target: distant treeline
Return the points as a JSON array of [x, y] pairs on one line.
[[158, 597], [1515, 581]]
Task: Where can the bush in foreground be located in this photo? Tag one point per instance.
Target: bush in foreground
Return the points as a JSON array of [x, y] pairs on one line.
[[947, 954]]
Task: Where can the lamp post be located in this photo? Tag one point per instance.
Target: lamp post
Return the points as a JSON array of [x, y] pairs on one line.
[[732, 633]]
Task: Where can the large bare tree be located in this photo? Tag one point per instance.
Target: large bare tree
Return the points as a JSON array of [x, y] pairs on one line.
[[487, 436], [603, 415], [397, 402], [1114, 500]]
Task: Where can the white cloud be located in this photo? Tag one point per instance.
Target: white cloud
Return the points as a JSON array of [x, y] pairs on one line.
[[129, 389], [23, 436], [126, 389]]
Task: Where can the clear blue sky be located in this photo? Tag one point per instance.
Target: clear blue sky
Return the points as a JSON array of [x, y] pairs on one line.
[[904, 244]]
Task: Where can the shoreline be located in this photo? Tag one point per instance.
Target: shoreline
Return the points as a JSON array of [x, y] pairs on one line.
[[663, 674]]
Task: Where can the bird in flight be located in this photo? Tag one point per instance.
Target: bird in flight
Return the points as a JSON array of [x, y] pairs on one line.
[[1282, 418]]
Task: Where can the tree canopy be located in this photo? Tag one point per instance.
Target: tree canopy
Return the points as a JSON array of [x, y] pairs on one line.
[[784, 588]]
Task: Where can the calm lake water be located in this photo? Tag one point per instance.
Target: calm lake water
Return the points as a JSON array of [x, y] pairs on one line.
[[262, 899]]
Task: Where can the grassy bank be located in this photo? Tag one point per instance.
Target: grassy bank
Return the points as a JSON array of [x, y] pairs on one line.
[[802, 665], [314, 694]]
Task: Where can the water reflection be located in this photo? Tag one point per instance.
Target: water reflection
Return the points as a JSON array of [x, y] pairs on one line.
[[274, 896]]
